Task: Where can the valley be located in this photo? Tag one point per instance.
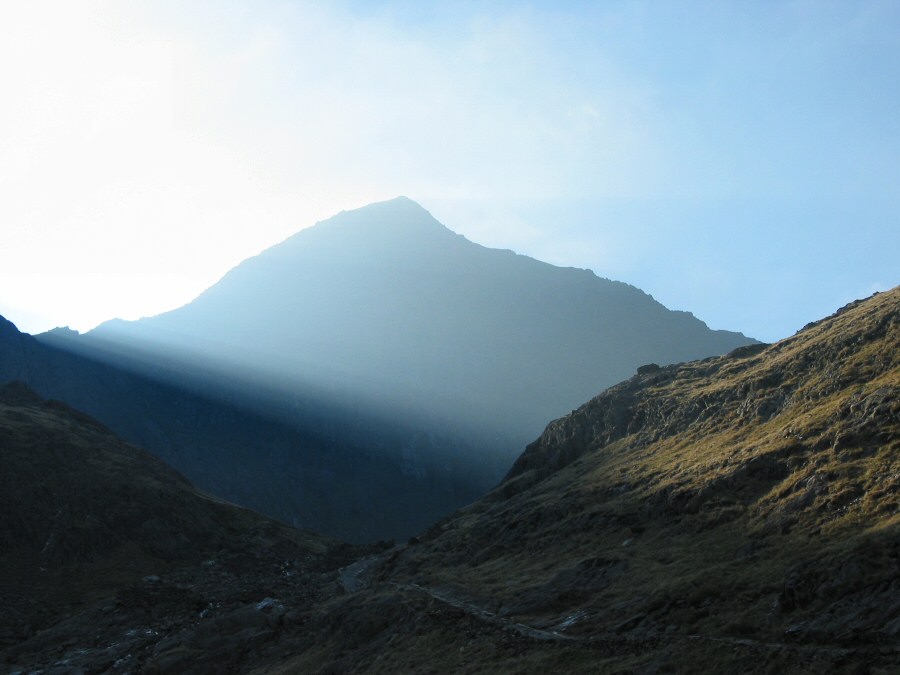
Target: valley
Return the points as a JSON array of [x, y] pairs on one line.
[[483, 338], [737, 513]]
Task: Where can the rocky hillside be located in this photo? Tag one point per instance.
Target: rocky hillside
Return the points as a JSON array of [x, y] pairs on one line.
[[110, 560], [736, 514]]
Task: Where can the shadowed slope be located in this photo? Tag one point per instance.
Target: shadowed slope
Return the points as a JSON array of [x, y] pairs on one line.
[[104, 550], [312, 473]]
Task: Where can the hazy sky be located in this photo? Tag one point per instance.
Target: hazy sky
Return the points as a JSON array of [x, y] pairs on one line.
[[738, 160]]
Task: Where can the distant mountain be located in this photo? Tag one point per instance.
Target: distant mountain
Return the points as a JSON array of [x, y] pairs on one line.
[[735, 514], [381, 329], [388, 307], [105, 551]]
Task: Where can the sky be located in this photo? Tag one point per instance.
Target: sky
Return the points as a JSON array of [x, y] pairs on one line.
[[737, 160]]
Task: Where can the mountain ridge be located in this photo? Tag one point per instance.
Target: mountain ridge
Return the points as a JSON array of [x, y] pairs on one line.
[[423, 313], [299, 473], [388, 335]]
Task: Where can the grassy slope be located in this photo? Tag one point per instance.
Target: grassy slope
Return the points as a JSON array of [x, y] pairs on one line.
[[735, 513]]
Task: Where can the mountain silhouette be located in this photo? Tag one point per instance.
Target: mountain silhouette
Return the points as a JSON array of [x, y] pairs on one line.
[[387, 306], [382, 334]]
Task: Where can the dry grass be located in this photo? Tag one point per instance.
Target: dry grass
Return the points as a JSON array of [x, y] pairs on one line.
[[753, 496]]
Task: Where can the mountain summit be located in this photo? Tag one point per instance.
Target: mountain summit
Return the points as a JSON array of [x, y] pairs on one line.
[[387, 303], [380, 328]]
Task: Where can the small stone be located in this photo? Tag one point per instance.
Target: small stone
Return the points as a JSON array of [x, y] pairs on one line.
[[267, 605]]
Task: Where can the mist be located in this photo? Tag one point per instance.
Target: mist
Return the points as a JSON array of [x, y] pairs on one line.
[[382, 331]]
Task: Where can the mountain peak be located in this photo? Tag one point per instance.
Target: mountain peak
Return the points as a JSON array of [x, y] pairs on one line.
[[400, 217], [398, 227], [391, 208], [382, 318], [399, 200], [62, 333], [386, 300], [7, 326]]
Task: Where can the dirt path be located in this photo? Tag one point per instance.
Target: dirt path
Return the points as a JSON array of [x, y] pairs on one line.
[[357, 577], [450, 599]]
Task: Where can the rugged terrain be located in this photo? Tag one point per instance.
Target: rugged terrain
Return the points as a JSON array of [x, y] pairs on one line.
[[735, 514], [311, 473]]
